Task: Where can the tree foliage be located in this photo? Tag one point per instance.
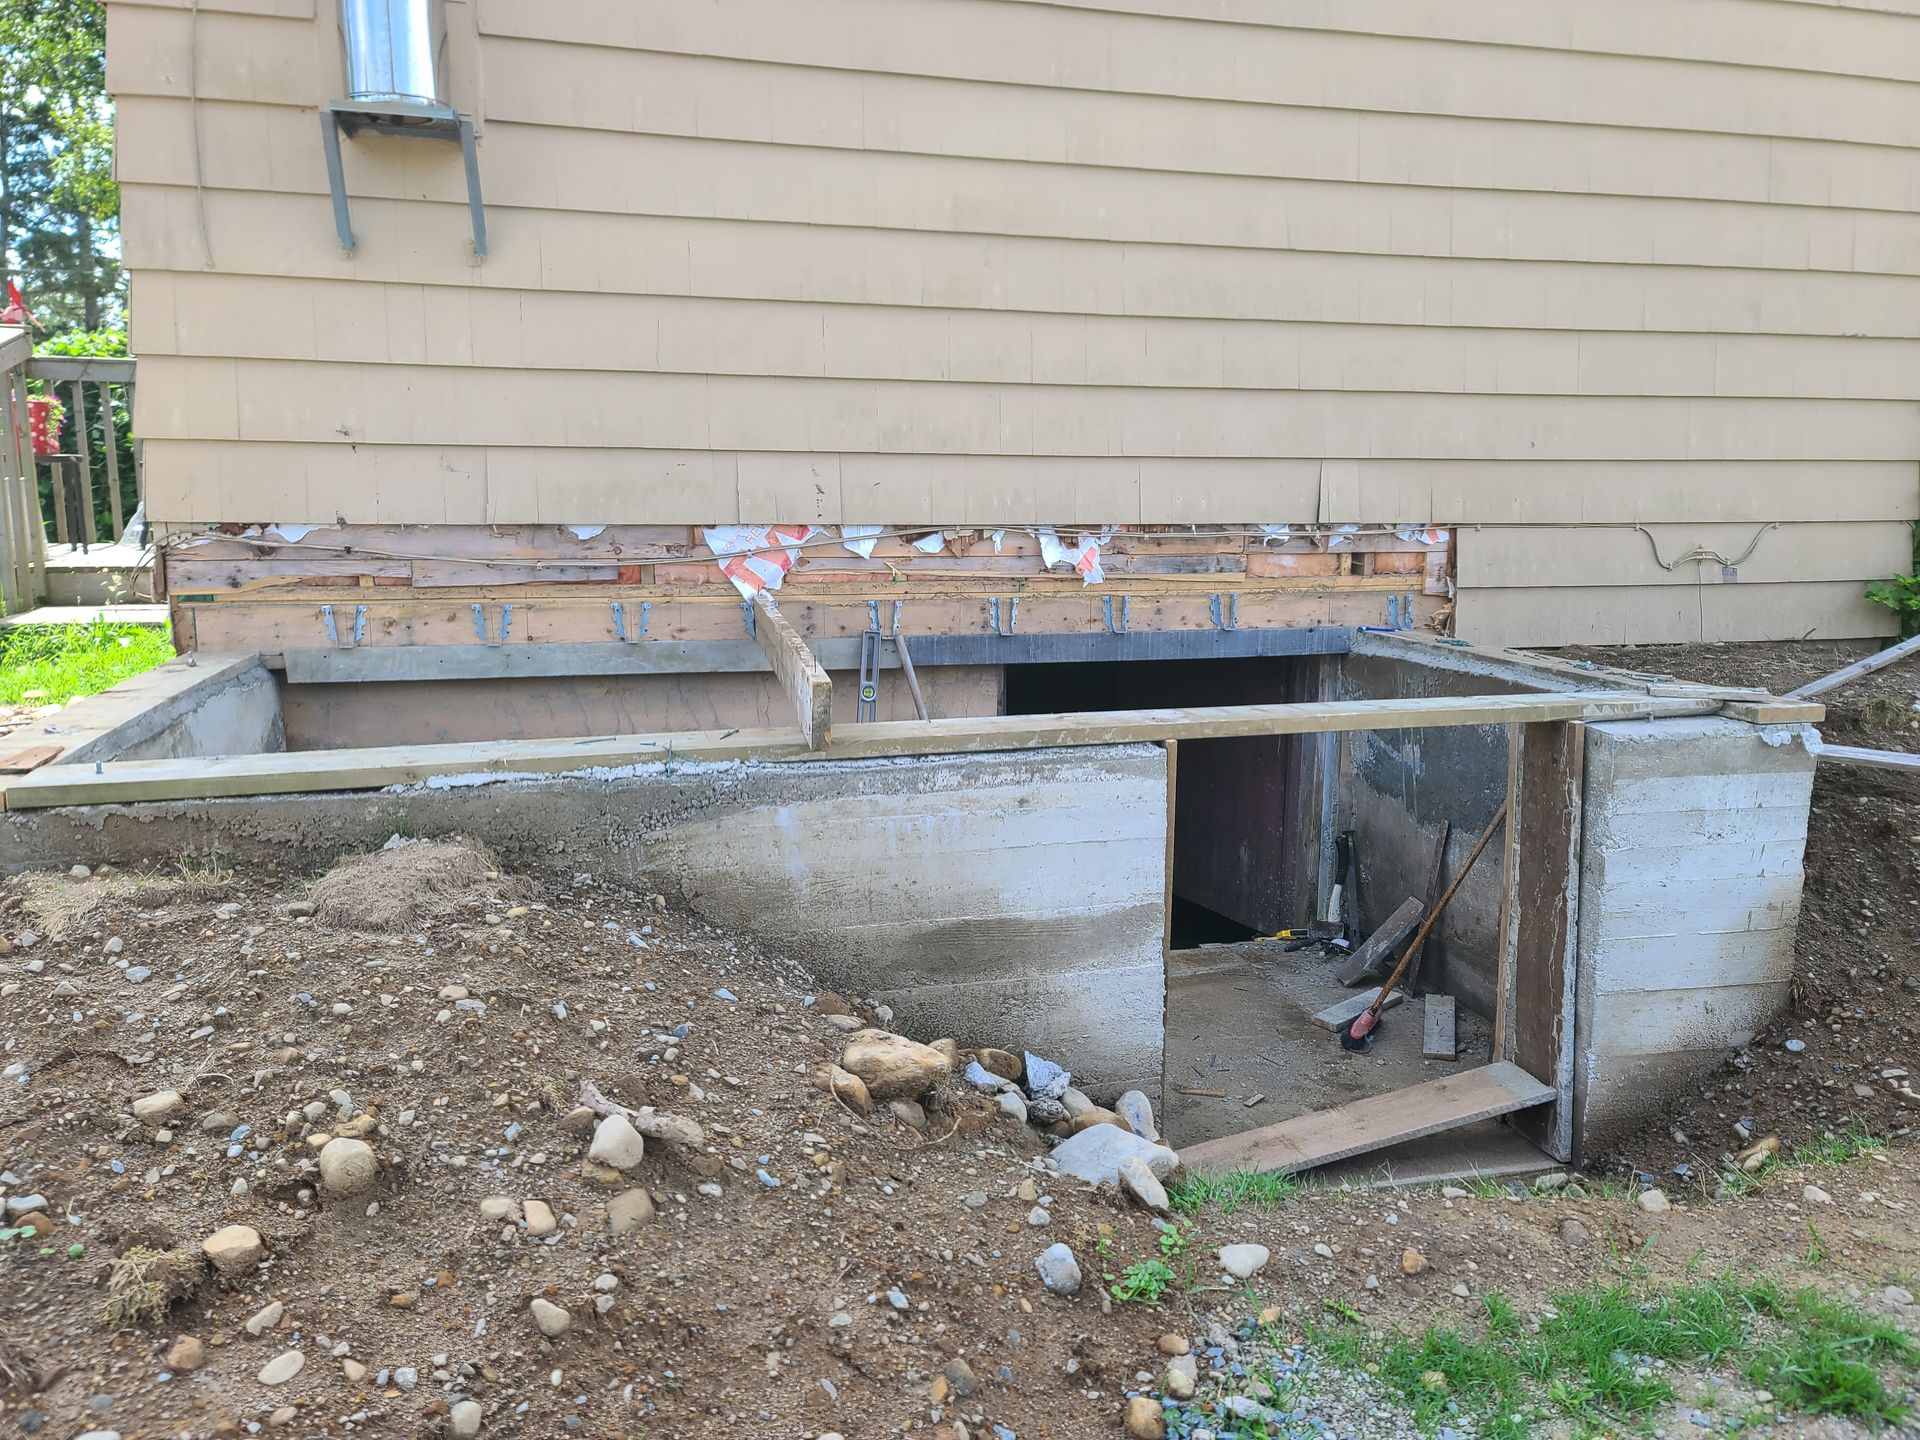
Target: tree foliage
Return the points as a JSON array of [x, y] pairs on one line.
[[59, 207]]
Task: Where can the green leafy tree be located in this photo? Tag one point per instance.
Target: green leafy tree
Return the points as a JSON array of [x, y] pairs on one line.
[[59, 207]]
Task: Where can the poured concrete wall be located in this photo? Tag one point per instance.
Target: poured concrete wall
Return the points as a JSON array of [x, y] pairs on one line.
[[1693, 837], [1399, 786], [1013, 899]]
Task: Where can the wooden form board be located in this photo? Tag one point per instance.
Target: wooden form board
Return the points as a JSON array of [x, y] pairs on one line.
[[1336, 1015], [1374, 1123], [1378, 948], [1438, 1028], [799, 674], [374, 768], [1537, 968], [1892, 655]]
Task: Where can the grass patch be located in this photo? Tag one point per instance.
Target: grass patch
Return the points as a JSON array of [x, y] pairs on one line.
[[1838, 1147], [1591, 1359], [1192, 1194], [65, 662]]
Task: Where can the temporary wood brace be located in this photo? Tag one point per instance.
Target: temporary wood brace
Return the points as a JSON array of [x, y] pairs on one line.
[[376, 767], [1875, 759], [1889, 656], [799, 674]]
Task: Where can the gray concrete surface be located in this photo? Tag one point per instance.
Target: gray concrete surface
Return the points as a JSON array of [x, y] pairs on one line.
[[1693, 838], [1011, 899]]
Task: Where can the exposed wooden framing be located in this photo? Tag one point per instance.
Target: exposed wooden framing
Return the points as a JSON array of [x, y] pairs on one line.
[[1544, 885], [1893, 654], [272, 622], [16, 538], [1502, 1047], [1378, 950], [376, 767], [799, 674], [1876, 759]]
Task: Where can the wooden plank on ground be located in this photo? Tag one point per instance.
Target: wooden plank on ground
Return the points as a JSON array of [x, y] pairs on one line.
[[1379, 948], [1374, 1123], [23, 762], [799, 674], [1338, 1014], [1437, 1041], [375, 767]]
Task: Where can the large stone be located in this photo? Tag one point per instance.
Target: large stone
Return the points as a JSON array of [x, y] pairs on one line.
[[347, 1167], [617, 1143], [850, 1088], [1059, 1271], [1003, 1063], [1140, 1182], [152, 1109], [1243, 1262], [1654, 1202], [629, 1210], [550, 1319], [541, 1221], [234, 1249], [1182, 1377], [186, 1353], [1094, 1155], [893, 1066], [1098, 1115], [463, 1418], [1074, 1102], [1136, 1113], [282, 1368], [1144, 1419]]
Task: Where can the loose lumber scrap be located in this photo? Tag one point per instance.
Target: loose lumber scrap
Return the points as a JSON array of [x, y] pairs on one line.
[[1381, 946], [799, 674], [1875, 759], [1336, 1015], [1374, 1123], [1848, 673], [1434, 877], [1438, 1028]]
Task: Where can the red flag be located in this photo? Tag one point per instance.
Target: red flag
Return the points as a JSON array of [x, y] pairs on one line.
[[16, 312]]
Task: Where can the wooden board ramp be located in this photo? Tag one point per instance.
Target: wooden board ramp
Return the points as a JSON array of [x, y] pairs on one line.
[[1374, 1123]]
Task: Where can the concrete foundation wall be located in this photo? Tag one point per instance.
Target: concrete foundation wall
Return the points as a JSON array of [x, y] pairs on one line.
[[1399, 786], [431, 712], [1013, 899], [1690, 878]]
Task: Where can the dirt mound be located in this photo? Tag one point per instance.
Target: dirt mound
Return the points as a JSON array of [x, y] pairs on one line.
[[411, 884]]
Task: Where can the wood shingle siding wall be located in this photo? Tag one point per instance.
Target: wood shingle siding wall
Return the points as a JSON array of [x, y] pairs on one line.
[[1528, 265]]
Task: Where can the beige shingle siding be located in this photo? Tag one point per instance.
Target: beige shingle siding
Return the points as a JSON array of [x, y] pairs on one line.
[[1529, 266]]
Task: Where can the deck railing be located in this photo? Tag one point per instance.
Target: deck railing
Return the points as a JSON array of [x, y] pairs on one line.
[[96, 480], [23, 536]]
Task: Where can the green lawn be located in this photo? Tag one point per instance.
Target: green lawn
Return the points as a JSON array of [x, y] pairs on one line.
[[64, 662]]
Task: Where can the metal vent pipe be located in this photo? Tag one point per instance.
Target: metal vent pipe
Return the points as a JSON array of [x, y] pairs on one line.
[[390, 47]]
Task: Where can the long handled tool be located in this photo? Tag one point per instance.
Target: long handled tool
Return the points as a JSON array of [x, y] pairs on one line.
[[1354, 1037]]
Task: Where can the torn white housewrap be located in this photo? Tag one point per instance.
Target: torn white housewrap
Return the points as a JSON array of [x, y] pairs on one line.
[[1083, 555], [756, 557], [860, 539], [998, 536], [1412, 535], [1275, 534], [931, 544], [586, 532], [1342, 535], [294, 533]]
